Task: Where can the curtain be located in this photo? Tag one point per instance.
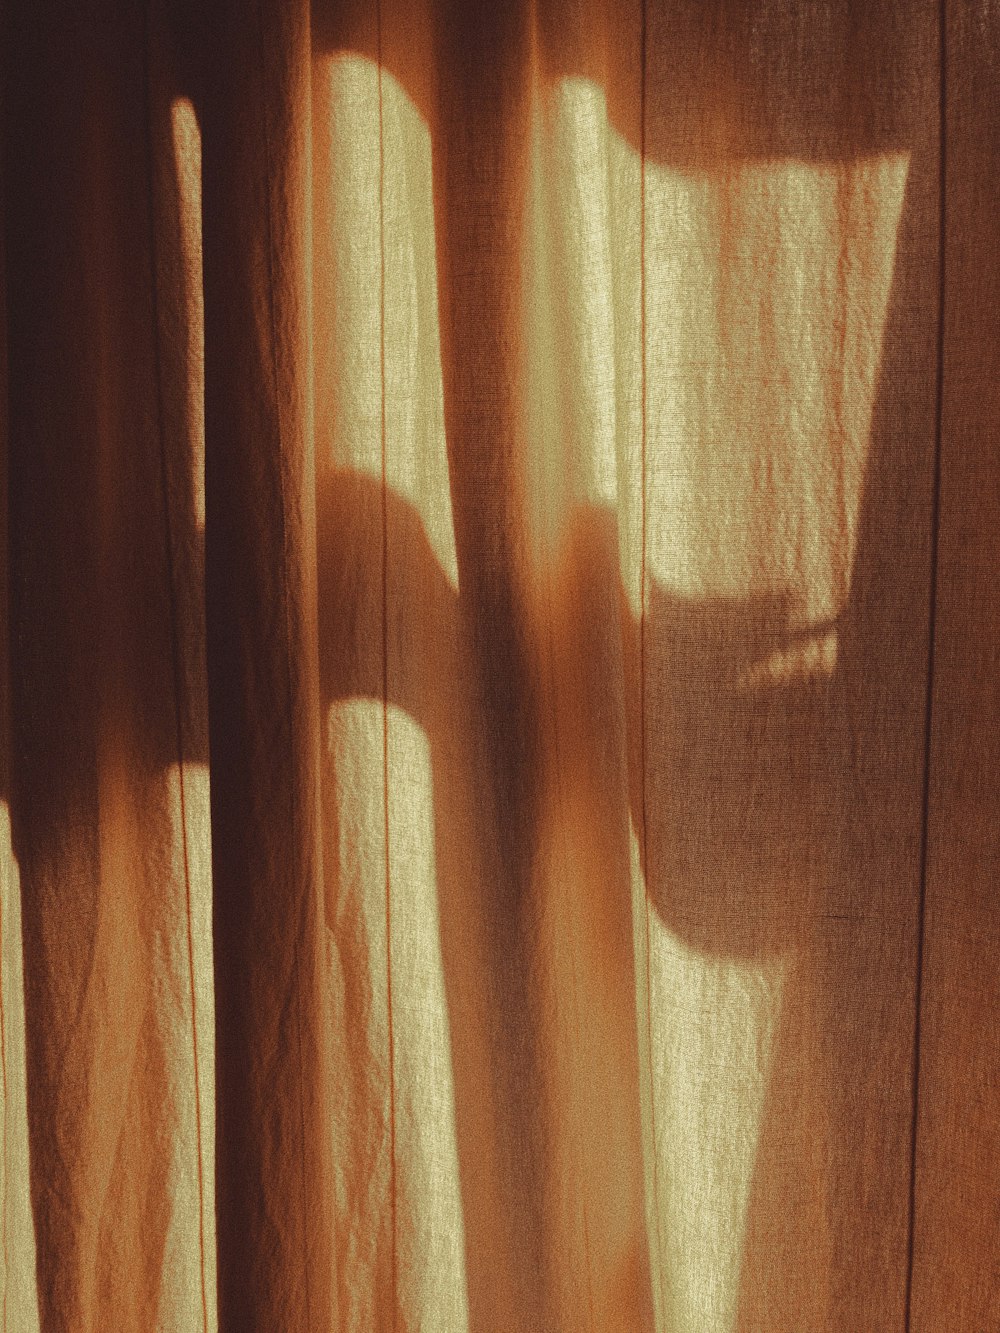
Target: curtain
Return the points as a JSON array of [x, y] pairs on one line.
[[501, 521]]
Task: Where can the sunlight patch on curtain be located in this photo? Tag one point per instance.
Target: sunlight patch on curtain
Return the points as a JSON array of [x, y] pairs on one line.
[[716, 1021], [767, 293], [183, 958], [350, 245], [431, 1234], [19, 1298], [569, 313], [187, 166]]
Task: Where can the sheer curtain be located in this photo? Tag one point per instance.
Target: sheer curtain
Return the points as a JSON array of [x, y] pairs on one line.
[[499, 711]]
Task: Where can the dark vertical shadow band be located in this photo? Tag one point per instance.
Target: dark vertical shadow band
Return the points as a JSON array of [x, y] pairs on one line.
[[293, 797]]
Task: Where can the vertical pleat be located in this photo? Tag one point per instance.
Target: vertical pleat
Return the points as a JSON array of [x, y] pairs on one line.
[[272, 1146], [482, 120], [540, 454], [102, 721]]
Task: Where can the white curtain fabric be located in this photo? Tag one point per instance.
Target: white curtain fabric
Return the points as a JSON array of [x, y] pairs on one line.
[[500, 693]]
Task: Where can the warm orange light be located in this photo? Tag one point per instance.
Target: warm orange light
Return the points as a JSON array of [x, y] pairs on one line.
[[17, 1252], [187, 166]]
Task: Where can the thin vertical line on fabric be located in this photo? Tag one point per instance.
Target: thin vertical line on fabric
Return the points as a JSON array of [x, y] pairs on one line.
[[642, 626], [931, 630], [385, 672], [169, 550], [266, 138]]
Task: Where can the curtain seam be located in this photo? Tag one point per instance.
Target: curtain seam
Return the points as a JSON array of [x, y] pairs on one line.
[[642, 633], [385, 681], [935, 520], [286, 610]]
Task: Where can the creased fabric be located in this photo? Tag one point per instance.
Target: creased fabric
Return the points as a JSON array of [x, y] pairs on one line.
[[498, 713]]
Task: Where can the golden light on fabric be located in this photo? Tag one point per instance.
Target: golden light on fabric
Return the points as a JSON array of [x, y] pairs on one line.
[[20, 1299], [187, 165], [496, 527]]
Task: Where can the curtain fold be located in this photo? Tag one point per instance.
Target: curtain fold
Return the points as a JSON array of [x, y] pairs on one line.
[[499, 678]]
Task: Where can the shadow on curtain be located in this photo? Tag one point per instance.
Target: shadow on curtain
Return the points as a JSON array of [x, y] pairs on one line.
[[602, 375]]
